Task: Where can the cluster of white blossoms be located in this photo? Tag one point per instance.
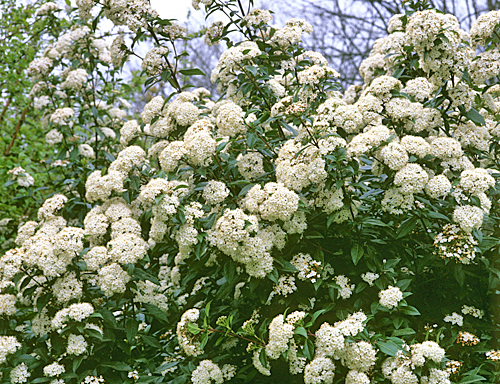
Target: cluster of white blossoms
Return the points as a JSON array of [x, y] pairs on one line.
[[53, 370], [307, 267], [47, 9], [454, 243], [133, 14], [454, 318], [8, 346], [273, 202], [257, 16], [229, 65], [470, 310], [61, 116], [23, 178], [215, 192], [467, 338], [207, 373], [469, 217], [280, 333], [196, 3], [20, 374], [493, 355], [154, 63], [346, 289], [40, 67], [390, 297], [238, 235], [400, 369], [187, 341], [75, 79], [370, 277]]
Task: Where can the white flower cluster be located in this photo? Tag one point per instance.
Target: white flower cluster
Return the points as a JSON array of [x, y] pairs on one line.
[[473, 311], [229, 65], [370, 277], [207, 373], [468, 217], [61, 116], [257, 16], [215, 192], [390, 297], [8, 346], [307, 267], [399, 369], [100, 187], [187, 341], [273, 202], [154, 63], [280, 333], [452, 242], [238, 235], [40, 67], [454, 318], [76, 345], [75, 79], [53, 370], [20, 374], [23, 178], [346, 289], [47, 9], [467, 338], [134, 14]]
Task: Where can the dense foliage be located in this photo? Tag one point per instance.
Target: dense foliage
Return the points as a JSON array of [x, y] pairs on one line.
[[284, 233]]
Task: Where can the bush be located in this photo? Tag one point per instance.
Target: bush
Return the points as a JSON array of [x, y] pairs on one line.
[[285, 232]]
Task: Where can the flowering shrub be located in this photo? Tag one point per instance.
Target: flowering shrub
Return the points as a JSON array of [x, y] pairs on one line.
[[285, 232]]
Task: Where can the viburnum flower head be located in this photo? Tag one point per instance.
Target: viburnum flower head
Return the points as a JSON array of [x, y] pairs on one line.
[[390, 297]]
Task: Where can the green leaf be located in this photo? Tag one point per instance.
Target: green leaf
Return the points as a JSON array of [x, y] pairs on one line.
[[77, 362], [179, 380], [117, 365], [193, 328], [406, 227], [192, 72], [274, 275], [42, 301], [152, 341], [472, 379], [143, 275], [403, 332], [93, 333], [403, 284], [474, 116], [314, 235], [357, 252], [131, 329], [166, 366], [437, 215], [308, 349], [156, 312], [389, 347], [301, 331], [108, 317], [409, 310]]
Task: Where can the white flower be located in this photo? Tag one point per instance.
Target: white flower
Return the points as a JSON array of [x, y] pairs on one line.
[[468, 217], [454, 318], [390, 297], [207, 373], [53, 369], [320, 370], [215, 192]]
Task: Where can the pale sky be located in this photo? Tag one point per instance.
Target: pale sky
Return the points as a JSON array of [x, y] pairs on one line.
[[173, 9]]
